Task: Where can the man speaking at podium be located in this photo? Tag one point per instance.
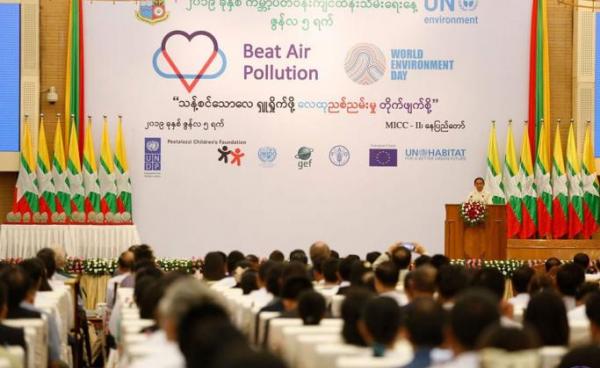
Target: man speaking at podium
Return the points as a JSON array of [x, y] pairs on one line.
[[480, 194]]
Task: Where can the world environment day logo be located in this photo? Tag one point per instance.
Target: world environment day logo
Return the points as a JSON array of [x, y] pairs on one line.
[[365, 63], [189, 79]]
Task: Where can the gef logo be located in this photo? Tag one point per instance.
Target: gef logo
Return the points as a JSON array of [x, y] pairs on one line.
[[152, 148], [450, 5]]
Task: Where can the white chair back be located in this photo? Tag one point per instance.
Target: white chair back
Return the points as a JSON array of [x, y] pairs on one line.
[[551, 355], [36, 339]]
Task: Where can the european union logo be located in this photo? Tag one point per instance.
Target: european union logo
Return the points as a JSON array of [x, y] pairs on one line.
[[383, 157]]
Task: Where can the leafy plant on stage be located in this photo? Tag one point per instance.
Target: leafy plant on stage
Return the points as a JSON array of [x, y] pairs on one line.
[[473, 212]]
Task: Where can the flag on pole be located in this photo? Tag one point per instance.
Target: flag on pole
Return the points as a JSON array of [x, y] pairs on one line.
[[529, 203], [47, 192], [493, 176], [26, 202], [75, 180], [74, 78], [543, 187], [108, 187], [90, 177], [59, 176], [122, 175], [574, 184], [560, 194], [511, 186], [591, 196]]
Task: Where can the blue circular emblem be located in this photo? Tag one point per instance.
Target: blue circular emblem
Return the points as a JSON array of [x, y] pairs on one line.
[[267, 154], [468, 5]]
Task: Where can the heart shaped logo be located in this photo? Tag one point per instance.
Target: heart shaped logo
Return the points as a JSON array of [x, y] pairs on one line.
[[189, 86]]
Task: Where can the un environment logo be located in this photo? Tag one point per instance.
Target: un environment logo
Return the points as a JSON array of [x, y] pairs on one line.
[[468, 5], [365, 63]]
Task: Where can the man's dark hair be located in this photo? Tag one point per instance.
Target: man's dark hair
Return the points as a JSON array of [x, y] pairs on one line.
[[582, 356], [149, 291], [17, 283], [540, 282], [422, 260], [276, 256], [383, 319], [592, 308], [372, 256], [551, 262], [253, 259], [125, 262], [451, 280], [294, 269], [143, 252], [294, 286], [345, 267], [233, 258], [582, 259], [330, 269], [351, 312], [387, 274], [311, 307], [568, 278], [585, 289], [48, 257], [439, 260], [520, 279], [478, 178], [34, 269], [491, 279], [547, 314], [248, 282], [214, 266], [474, 311], [298, 255], [508, 338], [334, 254], [421, 279], [424, 320], [263, 270], [401, 258], [358, 272], [274, 278]]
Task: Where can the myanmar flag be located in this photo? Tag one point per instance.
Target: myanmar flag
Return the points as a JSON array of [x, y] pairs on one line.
[[591, 200], [575, 190], [108, 187], [44, 175], [493, 176], [90, 177], [560, 194], [59, 176], [543, 187], [529, 202], [26, 193], [74, 178], [511, 186], [122, 175]]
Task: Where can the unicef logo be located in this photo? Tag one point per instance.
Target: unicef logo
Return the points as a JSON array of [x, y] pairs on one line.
[[339, 155], [267, 154], [152, 145], [468, 5], [365, 63]]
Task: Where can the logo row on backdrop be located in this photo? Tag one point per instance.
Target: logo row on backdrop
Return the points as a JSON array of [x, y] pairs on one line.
[[338, 155]]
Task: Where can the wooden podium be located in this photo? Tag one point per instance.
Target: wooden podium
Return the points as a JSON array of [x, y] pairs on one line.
[[484, 241]]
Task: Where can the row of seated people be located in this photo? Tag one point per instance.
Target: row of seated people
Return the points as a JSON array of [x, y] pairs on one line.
[[319, 310], [37, 312]]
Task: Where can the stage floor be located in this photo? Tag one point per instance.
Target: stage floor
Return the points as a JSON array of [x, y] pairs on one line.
[[544, 249]]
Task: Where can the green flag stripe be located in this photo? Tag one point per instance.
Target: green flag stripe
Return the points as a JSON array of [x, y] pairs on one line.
[[57, 166]]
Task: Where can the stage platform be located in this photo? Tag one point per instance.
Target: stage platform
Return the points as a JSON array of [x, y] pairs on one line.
[[543, 249]]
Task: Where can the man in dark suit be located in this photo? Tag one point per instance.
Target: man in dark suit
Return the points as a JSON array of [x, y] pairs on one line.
[[9, 336], [18, 286]]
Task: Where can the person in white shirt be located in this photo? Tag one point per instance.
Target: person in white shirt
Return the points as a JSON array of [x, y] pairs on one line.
[[124, 264], [262, 297], [520, 283], [386, 279], [479, 194], [592, 310], [331, 280]]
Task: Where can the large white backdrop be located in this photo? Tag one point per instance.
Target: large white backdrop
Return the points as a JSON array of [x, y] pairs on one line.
[[472, 72]]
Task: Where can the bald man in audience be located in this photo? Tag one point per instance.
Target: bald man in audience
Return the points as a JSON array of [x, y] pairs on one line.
[[124, 265], [420, 283]]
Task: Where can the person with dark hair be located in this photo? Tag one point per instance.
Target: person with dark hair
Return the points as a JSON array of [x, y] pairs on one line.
[[569, 277], [551, 263], [351, 312], [233, 258], [490, 278], [334, 254], [479, 194], [261, 296], [276, 256], [331, 284], [475, 310], [386, 279], [124, 267], [539, 283], [583, 293], [345, 270], [298, 255], [422, 260], [582, 260], [18, 287], [273, 287], [36, 270], [311, 307], [592, 311], [586, 356], [317, 270], [450, 281], [380, 324], [371, 257], [401, 257], [214, 268], [360, 274], [48, 257], [546, 313], [290, 292], [420, 283], [254, 261], [143, 256], [9, 335], [520, 283], [424, 327], [509, 339], [249, 282], [439, 260]]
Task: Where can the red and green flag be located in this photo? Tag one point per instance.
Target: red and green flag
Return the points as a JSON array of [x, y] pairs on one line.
[[74, 178], [589, 180], [47, 192], [511, 186], [74, 78], [122, 176], [526, 184], [59, 175], [543, 187], [493, 175], [575, 189], [108, 187], [26, 202], [91, 183], [560, 193]]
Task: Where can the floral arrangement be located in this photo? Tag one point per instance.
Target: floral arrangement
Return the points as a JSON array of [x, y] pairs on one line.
[[473, 213], [507, 267]]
